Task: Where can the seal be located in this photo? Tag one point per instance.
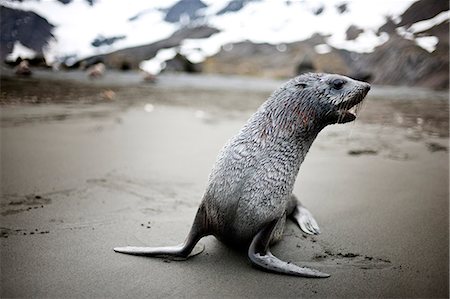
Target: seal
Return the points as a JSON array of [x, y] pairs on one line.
[[249, 193]]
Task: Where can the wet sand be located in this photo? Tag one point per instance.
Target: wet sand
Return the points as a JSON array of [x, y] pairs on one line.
[[83, 172]]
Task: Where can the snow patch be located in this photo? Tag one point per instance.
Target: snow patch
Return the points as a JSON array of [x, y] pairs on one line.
[[155, 65], [427, 42], [427, 24], [322, 49], [192, 51], [21, 51], [366, 42]]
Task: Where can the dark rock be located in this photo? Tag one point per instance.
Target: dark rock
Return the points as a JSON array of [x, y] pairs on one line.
[[423, 10], [106, 41], [341, 8], [306, 65], [26, 27], [436, 147], [233, 6], [182, 8], [181, 64], [192, 33], [353, 32], [319, 10], [388, 27], [91, 2]]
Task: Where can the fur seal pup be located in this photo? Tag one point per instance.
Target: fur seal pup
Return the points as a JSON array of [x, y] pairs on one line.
[[249, 193], [23, 69], [96, 71]]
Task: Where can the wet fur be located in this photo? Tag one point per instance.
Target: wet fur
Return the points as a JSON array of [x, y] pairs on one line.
[[253, 178]]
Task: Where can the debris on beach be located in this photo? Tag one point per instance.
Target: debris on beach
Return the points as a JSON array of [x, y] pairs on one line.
[[108, 95], [360, 152], [436, 147], [23, 69], [96, 71]]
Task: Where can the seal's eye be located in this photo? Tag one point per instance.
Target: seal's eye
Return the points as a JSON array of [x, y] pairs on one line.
[[337, 83]]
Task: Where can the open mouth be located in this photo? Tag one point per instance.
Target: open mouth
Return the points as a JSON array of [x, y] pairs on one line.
[[345, 116], [347, 111]]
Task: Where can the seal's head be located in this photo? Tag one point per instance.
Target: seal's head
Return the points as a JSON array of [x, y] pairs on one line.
[[325, 98], [335, 94]]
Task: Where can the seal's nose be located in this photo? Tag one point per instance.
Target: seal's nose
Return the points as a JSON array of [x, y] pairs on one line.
[[366, 87]]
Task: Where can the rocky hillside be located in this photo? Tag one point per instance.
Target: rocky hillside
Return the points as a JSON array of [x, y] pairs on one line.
[[130, 58], [402, 42], [398, 61]]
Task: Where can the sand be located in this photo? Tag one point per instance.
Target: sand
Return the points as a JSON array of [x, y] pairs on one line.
[[83, 175]]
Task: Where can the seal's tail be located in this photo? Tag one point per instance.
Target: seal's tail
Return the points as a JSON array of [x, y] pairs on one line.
[[183, 251]]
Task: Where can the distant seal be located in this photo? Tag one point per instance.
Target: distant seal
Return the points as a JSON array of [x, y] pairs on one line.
[[23, 69], [249, 194], [96, 71]]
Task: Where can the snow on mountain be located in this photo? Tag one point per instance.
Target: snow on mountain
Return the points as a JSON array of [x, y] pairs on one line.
[[273, 21], [278, 22], [392, 42], [78, 24], [426, 42]]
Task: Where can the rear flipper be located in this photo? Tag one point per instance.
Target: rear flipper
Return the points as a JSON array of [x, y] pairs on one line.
[[179, 251], [182, 251], [261, 256]]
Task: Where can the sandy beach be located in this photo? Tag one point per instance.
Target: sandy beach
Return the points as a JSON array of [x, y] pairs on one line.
[[87, 166]]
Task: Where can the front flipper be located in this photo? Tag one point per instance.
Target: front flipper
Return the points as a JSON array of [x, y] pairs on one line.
[[261, 256], [302, 216], [305, 220]]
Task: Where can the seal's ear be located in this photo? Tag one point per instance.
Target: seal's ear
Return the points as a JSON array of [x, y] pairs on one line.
[[301, 85]]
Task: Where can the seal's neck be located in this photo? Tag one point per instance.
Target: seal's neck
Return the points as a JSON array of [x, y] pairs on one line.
[[285, 121]]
